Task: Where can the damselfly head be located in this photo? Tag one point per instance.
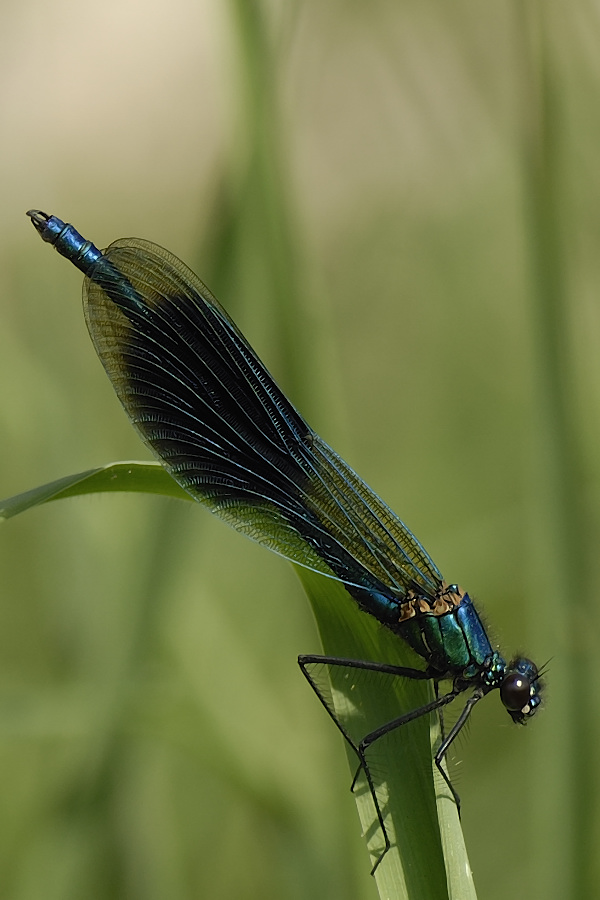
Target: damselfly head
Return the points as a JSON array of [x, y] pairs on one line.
[[521, 689]]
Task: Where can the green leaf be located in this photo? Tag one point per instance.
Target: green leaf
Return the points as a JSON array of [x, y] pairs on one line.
[[427, 859], [142, 477]]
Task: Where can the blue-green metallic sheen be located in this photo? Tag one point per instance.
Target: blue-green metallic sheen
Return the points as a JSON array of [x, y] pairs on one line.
[[207, 407]]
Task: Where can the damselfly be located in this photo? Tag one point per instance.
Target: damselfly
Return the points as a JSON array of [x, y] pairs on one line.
[[208, 409]]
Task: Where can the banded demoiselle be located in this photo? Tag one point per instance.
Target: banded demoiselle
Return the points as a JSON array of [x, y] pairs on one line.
[[207, 407]]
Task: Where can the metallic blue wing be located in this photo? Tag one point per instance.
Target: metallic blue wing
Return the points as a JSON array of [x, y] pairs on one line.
[[207, 407]]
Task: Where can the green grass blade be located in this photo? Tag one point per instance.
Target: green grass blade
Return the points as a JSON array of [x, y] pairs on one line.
[[140, 477], [427, 858]]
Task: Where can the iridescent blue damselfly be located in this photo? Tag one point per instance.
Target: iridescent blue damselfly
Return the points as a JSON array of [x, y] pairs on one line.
[[206, 406]]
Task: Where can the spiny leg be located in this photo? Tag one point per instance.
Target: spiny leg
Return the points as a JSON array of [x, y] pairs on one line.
[[436, 691], [384, 668], [416, 674], [388, 727], [447, 741]]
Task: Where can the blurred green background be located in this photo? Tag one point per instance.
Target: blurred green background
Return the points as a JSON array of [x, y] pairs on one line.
[[399, 204]]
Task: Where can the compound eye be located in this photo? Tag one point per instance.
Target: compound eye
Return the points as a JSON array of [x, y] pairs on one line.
[[515, 692]]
